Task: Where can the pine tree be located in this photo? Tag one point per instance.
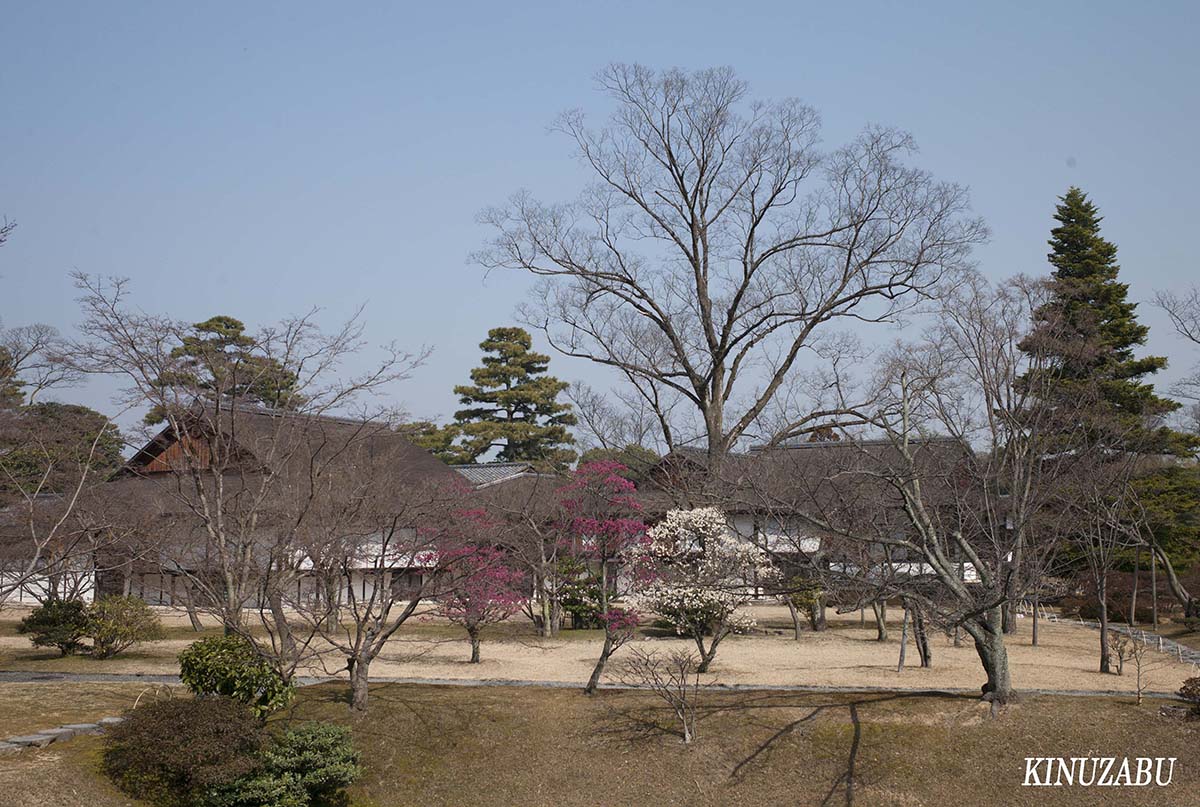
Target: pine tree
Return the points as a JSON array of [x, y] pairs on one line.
[[1089, 330], [11, 392], [512, 405], [218, 359], [46, 446]]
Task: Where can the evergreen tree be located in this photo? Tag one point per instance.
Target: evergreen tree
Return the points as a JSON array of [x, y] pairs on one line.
[[48, 445], [437, 440], [636, 461], [11, 392], [512, 405], [1089, 330], [218, 359]]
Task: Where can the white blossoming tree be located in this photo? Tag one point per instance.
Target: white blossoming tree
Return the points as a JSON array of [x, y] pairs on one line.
[[707, 574]]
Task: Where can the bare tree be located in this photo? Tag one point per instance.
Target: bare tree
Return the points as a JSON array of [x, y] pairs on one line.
[[36, 356], [373, 540], [1104, 519], [951, 496], [719, 242], [230, 475], [532, 527], [56, 529], [1128, 647], [630, 420], [675, 678], [1184, 312]]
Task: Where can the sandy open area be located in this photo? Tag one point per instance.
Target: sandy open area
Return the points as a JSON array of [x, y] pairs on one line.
[[846, 655]]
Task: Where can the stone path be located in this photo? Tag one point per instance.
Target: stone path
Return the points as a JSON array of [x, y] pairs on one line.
[[43, 738], [1181, 652]]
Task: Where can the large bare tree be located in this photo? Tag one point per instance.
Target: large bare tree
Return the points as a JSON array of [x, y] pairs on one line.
[[719, 242], [1184, 311], [953, 491], [237, 474]]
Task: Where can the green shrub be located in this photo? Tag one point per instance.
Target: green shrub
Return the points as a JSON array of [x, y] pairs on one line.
[[308, 766], [1190, 692], [116, 623], [230, 666], [320, 756], [262, 789], [58, 623], [172, 751]]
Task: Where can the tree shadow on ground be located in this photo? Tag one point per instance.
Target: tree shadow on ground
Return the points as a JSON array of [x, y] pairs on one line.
[[779, 714]]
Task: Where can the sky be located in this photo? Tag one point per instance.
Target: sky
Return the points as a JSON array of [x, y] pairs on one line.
[[260, 159]]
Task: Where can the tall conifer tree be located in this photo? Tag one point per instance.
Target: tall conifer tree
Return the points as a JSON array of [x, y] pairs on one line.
[[511, 405], [1089, 329]]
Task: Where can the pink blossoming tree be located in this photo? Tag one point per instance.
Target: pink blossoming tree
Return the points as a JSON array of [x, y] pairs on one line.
[[605, 527], [481, 588]]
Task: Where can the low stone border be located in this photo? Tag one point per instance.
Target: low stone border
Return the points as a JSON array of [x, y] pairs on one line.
[[43, 738]]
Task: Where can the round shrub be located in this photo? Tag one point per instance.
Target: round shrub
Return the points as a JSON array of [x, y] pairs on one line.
[[1190, 692], [320, 756], [173, 751], [308, 766], [230, 666], [58, 623], [262, 789], [116, 623]]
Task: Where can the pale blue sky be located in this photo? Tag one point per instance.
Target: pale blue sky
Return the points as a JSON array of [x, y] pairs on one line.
[[256, 159]]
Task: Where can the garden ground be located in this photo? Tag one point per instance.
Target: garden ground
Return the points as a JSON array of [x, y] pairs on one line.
[[845, 656], [461, 746]]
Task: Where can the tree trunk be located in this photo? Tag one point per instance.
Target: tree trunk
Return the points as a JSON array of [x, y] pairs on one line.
[[547, 604], [190, 605], [288, 650], [1137, 562], [1190, 605], [1102, 590], [903, 640], [1154, 590], [816, 613], [473, 632], [1036, 621], [707, 655], [795, 612], [879, 607], [924, 650], [993, 655], [598, 670], [359, 683], [332, 594]]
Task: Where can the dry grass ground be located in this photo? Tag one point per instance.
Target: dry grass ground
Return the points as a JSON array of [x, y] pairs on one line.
[[461, 747], [846, 655], [27, 708]]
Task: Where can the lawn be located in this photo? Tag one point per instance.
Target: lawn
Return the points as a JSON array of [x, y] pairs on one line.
[[461, 746], [31, 707]]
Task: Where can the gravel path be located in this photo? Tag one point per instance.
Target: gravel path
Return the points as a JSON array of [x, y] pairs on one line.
[[92, 678]]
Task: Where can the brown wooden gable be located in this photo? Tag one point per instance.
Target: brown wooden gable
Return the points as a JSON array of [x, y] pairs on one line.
[[179, 454]]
